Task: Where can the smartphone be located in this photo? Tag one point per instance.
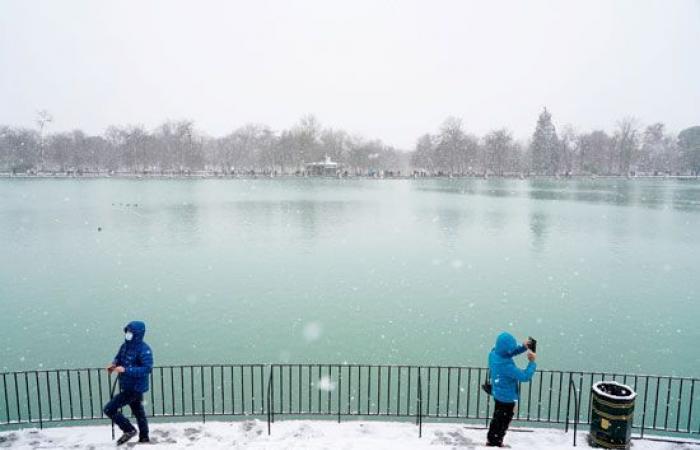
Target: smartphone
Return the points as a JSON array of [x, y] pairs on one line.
[[532, 345]]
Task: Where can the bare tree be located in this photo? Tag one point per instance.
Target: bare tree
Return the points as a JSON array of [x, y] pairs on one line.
[[594, 152], [450, 151], [42, 120], [658, 152], [422, 157], [626, 140], [689, 143], [568, 150], [500, 151]]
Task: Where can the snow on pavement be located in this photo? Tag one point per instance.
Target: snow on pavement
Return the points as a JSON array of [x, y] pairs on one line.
[[311, 435]]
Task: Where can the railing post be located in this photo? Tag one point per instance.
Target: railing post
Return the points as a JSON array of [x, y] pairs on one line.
[[644, 410], [269, 400], [19, 409], [340, 388], [419, 400], [38, 400], [417, 395], [690, 406], [576, 407], [576, 411], [201, 384], [568, 404], [111, 394], [488, 401]]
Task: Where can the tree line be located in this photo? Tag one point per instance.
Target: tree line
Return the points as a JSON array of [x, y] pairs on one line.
[[177, 147], [628, 150]]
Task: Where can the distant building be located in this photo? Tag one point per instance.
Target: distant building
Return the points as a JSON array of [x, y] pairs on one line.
[[326, 168]]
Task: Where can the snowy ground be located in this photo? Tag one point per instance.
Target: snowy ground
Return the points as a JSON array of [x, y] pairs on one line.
[[312, 435]]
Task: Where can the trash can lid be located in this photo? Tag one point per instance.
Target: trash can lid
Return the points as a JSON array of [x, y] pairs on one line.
[[614, 390]]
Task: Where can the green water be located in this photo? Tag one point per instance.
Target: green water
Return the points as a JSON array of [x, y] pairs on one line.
[[603, 272]]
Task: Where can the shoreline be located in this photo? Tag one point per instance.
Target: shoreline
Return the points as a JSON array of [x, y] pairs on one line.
[[6, 175]]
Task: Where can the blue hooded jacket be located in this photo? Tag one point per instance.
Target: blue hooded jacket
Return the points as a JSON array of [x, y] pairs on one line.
[[136, 357], [505, 375]]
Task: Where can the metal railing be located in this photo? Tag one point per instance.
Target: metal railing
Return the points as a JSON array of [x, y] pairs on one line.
[[665, 405]]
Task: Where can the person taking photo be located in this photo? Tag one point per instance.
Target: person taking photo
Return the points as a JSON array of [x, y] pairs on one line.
[[505, 376]]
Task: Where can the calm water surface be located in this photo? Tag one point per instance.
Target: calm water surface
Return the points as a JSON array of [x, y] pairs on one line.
[[603, 272]]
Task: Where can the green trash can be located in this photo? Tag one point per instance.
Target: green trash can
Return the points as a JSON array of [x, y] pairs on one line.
[[612, 411]]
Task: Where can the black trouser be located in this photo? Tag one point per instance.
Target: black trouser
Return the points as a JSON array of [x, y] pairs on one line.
[[502, 415], [134, 400]]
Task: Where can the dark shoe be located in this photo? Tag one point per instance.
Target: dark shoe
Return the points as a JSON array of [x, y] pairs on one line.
[[126, 437], [144, 440]]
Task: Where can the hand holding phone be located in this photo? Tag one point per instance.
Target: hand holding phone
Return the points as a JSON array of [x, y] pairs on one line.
[[532, 344]]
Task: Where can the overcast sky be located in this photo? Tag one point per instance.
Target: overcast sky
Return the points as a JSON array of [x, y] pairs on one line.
[[392, 69]]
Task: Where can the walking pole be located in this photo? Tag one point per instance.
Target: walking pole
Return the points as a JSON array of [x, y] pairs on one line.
[[111, 396]]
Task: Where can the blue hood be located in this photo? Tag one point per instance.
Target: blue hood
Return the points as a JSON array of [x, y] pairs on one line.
[[505, 345], [505, 375], [136, 358], [138, 329]]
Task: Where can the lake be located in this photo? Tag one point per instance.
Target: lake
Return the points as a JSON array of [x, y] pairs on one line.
[[603, 272]]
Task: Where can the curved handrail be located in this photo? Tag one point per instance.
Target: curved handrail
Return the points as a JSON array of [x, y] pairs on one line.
[[577, 406]]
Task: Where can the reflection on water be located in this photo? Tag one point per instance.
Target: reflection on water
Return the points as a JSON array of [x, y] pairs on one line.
[[181, 220], [538, 226], [449, 222], [651, 193], [293, 219], [391, 271]]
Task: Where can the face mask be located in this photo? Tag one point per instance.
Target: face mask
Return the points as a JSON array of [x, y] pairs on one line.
[[128, 335]]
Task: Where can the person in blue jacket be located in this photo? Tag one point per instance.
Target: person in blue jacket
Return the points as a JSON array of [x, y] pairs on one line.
[[505, 376], [133, 364]]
